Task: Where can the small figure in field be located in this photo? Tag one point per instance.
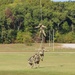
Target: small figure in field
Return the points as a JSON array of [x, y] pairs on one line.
[[41, 53], [36, 60], [41, 27], [31, 61]]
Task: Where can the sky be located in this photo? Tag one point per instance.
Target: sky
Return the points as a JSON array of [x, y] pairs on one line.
[[62, 0]]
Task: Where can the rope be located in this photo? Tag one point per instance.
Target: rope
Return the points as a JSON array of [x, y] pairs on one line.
[[41, 10]]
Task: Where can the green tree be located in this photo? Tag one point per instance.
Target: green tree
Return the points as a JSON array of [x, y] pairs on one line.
[[65, 27]]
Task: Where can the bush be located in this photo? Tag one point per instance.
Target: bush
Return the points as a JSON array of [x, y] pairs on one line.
[[24, 37], [66, 38], [19, 38], [9, 36]]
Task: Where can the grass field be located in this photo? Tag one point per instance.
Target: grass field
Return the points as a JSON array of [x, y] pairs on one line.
[[54, 64], [33, 48], [13, 60]]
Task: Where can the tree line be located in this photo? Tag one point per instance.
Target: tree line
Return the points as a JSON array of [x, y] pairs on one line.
[[18, 19]]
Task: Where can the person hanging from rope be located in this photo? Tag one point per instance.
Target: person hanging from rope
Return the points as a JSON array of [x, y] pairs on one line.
[[41, 27]]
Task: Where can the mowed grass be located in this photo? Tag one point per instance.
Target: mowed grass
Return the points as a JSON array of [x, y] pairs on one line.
[[33, 48], [16, 63]]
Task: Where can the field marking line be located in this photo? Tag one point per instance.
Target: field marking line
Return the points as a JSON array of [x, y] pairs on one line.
[[45, 52]]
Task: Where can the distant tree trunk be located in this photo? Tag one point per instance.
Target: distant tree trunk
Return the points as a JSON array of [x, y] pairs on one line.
[[73, 28]]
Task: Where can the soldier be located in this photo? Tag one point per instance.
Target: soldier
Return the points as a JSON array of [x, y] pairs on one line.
[[41, 53], [41, 27], [36, 59], [31, 61]]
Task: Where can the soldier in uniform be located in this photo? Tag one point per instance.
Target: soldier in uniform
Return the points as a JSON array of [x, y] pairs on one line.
[[36, 59], [41, 53], [41, 27], [31, 61]]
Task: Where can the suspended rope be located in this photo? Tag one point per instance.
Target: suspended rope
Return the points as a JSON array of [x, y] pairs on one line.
[[41, 27], [51, 39], [41, 10]]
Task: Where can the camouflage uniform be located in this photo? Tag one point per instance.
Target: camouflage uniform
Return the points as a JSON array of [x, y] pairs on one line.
[[36, 60], [41, 53], [42, 27], [31, 61]]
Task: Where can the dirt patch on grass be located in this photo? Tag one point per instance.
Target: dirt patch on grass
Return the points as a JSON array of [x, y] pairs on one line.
[[68, 46]]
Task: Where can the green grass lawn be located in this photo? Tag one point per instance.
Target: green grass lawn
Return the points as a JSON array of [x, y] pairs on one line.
[[54, 64], [33, 48]]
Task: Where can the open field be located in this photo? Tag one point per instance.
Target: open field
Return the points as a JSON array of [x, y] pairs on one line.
[[34, 48], [13, 60], [54, 64]]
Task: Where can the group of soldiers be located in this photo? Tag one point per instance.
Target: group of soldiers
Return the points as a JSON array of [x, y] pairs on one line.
[[35, 59]]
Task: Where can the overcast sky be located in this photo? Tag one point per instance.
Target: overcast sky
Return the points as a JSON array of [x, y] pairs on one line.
[[63, 0]]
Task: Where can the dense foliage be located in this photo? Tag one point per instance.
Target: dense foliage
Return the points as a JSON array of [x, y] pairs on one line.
[[18, 19]]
